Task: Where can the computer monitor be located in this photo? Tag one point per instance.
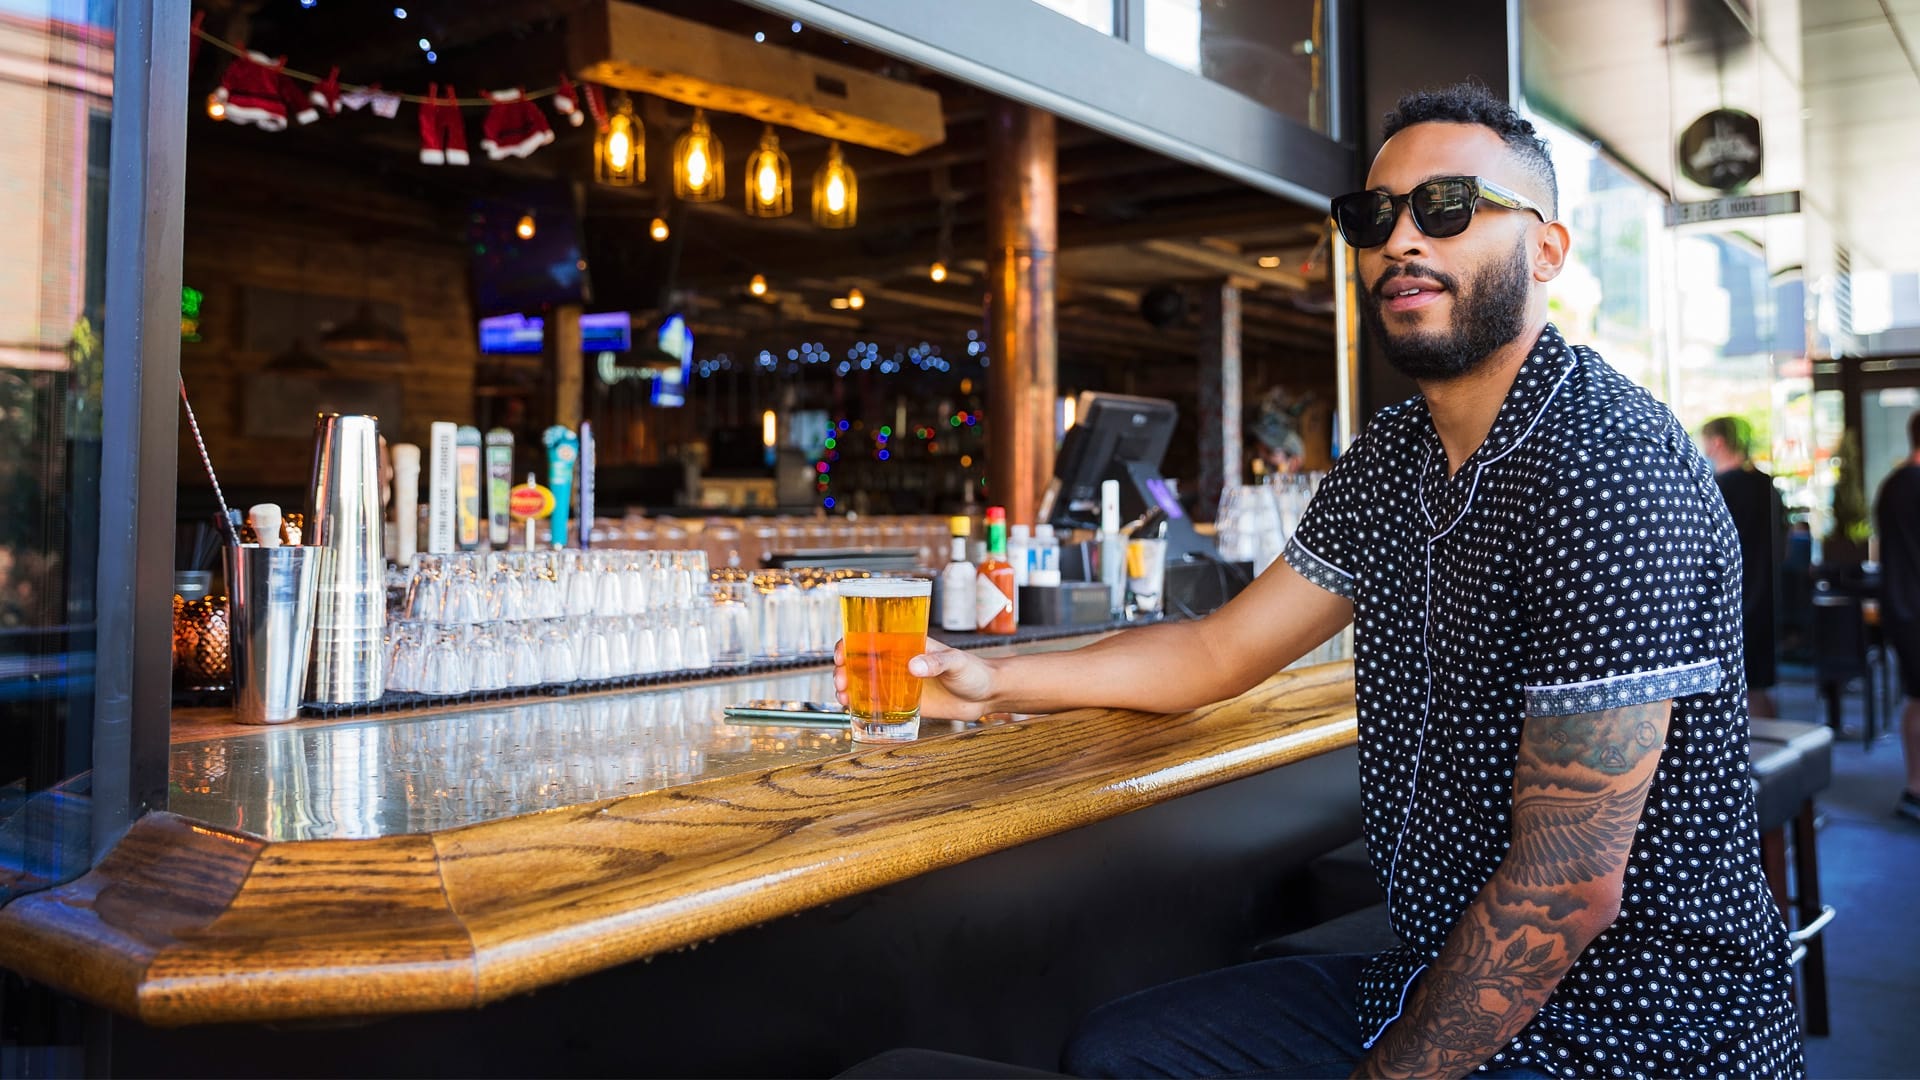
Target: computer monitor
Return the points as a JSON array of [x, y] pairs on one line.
[[1114, 437]]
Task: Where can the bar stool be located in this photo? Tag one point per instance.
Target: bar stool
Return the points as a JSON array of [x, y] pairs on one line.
[[1792, 762]]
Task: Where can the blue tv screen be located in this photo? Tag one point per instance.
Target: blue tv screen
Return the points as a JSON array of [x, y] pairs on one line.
[[512, 334]]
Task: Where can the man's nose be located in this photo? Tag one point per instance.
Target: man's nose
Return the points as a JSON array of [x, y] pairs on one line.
[[1406, 241]]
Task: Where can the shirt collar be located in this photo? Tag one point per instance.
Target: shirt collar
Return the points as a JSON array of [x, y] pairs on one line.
[[1534, 386]]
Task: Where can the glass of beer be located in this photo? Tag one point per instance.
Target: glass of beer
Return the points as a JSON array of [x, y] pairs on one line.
[[884, 623]]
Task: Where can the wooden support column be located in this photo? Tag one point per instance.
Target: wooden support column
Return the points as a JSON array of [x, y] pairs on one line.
[[1219, 419], [1023, 229], [569, 365]]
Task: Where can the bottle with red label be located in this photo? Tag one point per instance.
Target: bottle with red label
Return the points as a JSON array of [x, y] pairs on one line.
[[993, 591]]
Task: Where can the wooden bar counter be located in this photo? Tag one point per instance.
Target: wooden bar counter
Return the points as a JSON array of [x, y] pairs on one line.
[[392, 866]]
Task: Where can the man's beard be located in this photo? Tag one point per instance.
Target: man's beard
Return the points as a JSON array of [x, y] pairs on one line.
[[1490, 314]]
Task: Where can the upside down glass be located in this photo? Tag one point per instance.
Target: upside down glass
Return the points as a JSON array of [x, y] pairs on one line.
[[884, 624]]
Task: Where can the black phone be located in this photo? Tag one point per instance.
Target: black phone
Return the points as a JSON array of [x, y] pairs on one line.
[[810, 713]]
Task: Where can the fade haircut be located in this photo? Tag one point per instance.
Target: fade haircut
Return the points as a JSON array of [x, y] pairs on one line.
[[1471, 103]]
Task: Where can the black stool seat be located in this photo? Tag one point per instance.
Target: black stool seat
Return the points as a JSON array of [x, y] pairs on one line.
[[910, 1061], [1792, 762], [1367, 930]]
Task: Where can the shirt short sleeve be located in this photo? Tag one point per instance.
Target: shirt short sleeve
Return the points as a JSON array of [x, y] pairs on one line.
[[1323, 547], [1631, 579]]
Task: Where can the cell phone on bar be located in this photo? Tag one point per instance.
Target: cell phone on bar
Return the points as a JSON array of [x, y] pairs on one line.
[[809, 713]]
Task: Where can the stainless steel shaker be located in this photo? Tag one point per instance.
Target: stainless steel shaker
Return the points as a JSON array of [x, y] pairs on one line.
[[343, 515], [271, 592]]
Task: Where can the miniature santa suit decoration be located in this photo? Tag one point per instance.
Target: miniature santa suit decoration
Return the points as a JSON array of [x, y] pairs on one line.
[[443, 136], [327, 94], [514, 126], [567, 103], [256, 90]]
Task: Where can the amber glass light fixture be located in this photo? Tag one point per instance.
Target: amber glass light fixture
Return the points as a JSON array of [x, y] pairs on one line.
[[699, 173], [938, 271], [620, 152], [769, 179], [658, 230], [525, 228], [836, 193], [758, 286], [856, 299]]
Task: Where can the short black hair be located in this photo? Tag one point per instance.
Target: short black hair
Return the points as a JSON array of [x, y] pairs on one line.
[[1471, 103]]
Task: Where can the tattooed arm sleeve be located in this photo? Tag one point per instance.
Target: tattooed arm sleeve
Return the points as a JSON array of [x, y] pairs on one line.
[[1578, 789]]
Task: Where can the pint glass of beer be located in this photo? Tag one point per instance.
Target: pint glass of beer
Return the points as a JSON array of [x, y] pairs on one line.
[[884, 623]]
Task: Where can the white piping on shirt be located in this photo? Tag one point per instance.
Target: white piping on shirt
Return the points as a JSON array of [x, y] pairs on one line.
[[1615, 678], [1368, 1045]]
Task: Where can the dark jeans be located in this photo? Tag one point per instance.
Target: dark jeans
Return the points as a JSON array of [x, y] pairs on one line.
[[1291, 1017]]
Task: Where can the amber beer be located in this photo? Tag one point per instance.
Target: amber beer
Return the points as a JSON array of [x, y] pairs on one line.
[[884, 622]]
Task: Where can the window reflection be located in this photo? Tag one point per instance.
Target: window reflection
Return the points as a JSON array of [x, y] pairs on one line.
[[1269, 50], [1097, 14]]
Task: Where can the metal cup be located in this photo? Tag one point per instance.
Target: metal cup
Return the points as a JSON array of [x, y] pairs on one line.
[[344, 516], [270, 602]]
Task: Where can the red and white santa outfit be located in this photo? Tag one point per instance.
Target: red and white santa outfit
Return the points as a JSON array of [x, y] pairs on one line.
[[514, 126], [256, 90], [326, 95], [567, 103], [443, 136]]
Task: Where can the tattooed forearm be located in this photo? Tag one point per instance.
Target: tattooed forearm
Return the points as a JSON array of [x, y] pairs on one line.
[[1580, 785]]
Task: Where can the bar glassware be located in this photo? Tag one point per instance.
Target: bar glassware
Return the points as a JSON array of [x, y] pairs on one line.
[[884, 624]]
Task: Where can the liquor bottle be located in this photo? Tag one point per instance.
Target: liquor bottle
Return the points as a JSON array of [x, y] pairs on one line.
[[957, 580], [993, 592]]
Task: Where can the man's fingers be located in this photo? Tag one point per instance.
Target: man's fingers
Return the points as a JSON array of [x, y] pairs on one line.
[[927, 666]]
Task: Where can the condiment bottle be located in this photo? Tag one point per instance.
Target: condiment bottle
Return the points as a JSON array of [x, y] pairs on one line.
[[957, 580], [994, 591]]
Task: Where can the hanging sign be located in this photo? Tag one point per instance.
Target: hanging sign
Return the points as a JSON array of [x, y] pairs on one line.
[[1728, 207], [1721, 150]]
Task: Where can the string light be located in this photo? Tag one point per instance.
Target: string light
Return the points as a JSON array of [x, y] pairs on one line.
[[620, 153], [769, 179], [659, 229], [216, 109], [836, 192], [525, 228], [699, 165], [938, 271], [1269, 261], [758, 286], [856, 299]]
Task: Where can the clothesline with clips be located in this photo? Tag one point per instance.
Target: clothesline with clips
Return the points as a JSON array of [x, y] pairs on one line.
[[417, 99]]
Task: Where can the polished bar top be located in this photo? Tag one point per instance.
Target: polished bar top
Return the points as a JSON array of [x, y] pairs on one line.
[[188, 922]]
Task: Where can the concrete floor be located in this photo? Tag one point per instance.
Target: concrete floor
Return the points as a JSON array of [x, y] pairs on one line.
[[1870, 873]]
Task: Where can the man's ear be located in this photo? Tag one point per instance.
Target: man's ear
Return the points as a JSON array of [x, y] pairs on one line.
[[1551, 243]]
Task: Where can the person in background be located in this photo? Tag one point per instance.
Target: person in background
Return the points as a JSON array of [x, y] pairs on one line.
[[1897, 520], [1760, 520]]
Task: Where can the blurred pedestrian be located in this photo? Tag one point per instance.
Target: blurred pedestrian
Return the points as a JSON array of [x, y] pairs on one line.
[[1897, 519], [1760, 519]]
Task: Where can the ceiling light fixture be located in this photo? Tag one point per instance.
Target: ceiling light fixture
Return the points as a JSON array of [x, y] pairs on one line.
[[938, 271], [699, 169], [524, 228], [216, 109], [769, 179], [1269, 261], [856, 299], [620, 151], [758, 286], [836, 192], [658, 230]]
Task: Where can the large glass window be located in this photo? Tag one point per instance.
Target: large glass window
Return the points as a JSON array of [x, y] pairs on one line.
[[53, 166], [1095, 13], [1273, 51]]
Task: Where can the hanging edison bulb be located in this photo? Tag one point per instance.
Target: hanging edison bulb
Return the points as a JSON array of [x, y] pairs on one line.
[[758, 285], [620, 153], [524, 229], [769, 179], [938, 271], [856, 299], [658, 230], [699, 173], [836, 193], [216, 109]]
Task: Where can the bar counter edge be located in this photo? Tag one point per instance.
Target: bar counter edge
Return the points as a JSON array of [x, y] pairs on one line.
[[184, 924]]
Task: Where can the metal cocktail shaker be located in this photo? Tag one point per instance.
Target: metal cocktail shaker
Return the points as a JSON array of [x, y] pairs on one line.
[[271, 596], [350, 608]]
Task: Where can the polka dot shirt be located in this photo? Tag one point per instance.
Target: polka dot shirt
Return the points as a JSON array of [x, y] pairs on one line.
[[1580, 559]]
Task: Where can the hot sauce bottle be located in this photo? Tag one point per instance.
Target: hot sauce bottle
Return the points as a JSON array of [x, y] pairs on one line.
[[994, 588]]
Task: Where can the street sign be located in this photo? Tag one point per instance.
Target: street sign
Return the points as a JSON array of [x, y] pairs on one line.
[[1730, 207]]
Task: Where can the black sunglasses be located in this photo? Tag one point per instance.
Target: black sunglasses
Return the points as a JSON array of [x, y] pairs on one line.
[[1441, 207]]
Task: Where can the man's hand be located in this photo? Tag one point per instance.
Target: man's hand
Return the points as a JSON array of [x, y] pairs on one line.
[[1579, 787], [957, 686]]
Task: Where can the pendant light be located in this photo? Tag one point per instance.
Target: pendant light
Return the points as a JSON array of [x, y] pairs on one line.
[[758, 285], [836, 193], [769, 179], [620, 152], [699, 172], [658, 230]]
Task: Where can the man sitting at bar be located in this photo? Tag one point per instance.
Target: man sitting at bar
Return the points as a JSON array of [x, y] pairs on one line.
[[1545, 589]]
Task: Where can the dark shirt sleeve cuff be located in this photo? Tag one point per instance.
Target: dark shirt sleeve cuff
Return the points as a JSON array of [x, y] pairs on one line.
[[1318, 570]]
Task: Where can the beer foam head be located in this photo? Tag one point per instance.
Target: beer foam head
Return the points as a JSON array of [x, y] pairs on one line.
[[886, 587]]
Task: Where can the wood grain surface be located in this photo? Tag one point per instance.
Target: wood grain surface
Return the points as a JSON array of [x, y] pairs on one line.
[[185, 924]]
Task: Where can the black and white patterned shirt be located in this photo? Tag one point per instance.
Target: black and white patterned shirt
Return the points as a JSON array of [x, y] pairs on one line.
[[1580, 559]]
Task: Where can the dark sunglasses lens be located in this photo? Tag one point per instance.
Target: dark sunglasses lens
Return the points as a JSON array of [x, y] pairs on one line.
[[1444, 208], [1365, 218]]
